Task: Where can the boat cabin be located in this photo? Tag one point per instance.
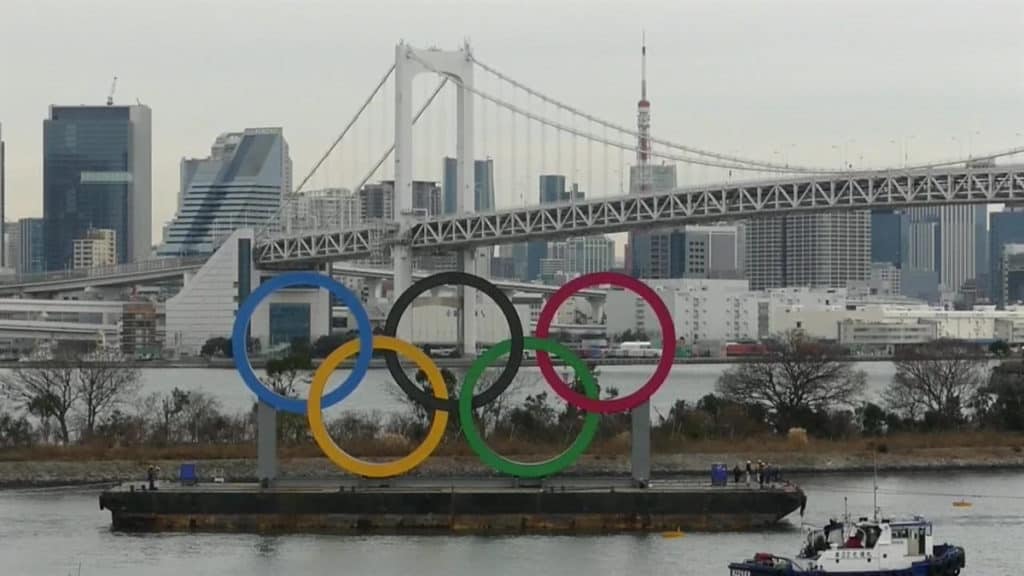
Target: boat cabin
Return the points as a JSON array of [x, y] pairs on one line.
[[867, 545]]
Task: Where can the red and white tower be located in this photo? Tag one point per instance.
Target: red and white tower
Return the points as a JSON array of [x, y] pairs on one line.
[[643, 126]]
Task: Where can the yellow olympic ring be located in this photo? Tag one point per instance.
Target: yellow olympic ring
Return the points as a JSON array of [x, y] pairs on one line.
[[350, 463]]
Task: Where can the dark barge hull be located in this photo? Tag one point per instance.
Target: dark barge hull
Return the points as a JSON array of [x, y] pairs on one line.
[[471, 509]]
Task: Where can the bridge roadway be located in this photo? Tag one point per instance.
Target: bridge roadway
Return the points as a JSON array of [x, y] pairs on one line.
[[958, 184], [150, 272]]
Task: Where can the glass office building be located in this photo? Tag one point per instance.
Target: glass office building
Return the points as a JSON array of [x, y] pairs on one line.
[[96, 174], [240, 184], [483, 185]]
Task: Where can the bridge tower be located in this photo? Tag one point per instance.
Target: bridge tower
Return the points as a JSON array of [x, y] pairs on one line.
[[458, 65]]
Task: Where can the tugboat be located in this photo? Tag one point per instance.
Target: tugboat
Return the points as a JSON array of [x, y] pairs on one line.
[[867, 547], [863, 548]]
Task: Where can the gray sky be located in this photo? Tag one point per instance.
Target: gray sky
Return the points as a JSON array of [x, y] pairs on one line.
[[761, 78]]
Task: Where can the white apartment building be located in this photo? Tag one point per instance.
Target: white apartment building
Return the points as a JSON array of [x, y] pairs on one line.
[[701, 309]]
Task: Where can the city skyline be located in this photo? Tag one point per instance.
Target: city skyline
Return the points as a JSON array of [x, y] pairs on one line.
[[920, 120]]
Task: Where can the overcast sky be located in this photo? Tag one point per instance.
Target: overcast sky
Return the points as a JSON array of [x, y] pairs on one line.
[[752, 77]]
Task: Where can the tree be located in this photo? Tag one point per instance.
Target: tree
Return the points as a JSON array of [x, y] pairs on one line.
[[49, 393], [328, 343], [936, 381], [1003, 397], [103, 381], [999, 348], [796, 377], [216, 346], [14, 431], [872, 419], [284, 375]]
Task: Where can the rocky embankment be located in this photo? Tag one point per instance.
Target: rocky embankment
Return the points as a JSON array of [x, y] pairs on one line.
[[21, 474]]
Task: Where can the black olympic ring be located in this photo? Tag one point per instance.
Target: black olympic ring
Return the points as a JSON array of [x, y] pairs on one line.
[[515, 357]]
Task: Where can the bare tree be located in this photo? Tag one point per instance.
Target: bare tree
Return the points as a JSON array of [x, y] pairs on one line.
[[48, 393], [104, 381], [940, 378], [796, 376]]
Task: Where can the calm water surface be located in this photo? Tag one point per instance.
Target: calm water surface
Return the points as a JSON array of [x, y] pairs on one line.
[[51, 533]]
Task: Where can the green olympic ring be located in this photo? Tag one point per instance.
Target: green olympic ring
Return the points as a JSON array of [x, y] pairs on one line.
[[522, 469]]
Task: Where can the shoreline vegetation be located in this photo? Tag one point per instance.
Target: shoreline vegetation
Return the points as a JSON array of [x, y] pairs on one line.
[[81, 419]]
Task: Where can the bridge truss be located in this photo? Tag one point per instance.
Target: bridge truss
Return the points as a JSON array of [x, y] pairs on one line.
[[831, 192]]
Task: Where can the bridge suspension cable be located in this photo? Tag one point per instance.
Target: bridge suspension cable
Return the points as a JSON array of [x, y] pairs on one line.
[[558, 126], [629, 131], [348, 127], [426, 104], [739, 163]]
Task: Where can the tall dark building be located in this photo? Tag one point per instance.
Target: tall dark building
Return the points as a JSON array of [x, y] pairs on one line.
[[888, 236], [1005, 227], [97, 174], [3, 250], [483, 185], [552, 191]]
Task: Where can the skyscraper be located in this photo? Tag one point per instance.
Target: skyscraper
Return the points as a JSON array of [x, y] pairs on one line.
[[822, 250], [240, 184], [12, 245], [1006, 227], [963, 233], [888, 236], [483, 185], [552, 190], [707, 252], [828, 250], [31, 251], [97, 174], [766, 256], [2, 200], [651, 252]]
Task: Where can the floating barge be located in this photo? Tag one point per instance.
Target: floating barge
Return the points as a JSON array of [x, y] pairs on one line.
[[451, 506]]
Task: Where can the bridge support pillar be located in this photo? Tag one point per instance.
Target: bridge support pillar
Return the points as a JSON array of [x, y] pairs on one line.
[[457, 63], [640, 444], [266, 443]]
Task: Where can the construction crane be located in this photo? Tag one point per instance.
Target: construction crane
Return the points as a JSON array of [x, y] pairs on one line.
[[110, 96]]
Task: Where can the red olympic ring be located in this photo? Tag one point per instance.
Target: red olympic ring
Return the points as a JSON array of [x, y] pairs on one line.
[[668, 343]]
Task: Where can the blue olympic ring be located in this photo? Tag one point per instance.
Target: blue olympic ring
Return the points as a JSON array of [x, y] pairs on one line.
[[239, 337]]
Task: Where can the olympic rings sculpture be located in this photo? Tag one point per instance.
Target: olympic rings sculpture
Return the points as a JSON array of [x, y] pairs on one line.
[[438, 400]]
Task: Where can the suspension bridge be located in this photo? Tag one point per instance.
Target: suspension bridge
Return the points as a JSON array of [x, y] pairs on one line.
[[532, 142], [433, 104]]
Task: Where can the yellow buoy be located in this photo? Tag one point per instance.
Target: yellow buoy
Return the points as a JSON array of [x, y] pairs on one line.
[[961, 504], [673, 534]]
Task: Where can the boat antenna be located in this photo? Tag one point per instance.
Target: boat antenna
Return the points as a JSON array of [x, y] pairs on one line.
[[876, 486]]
